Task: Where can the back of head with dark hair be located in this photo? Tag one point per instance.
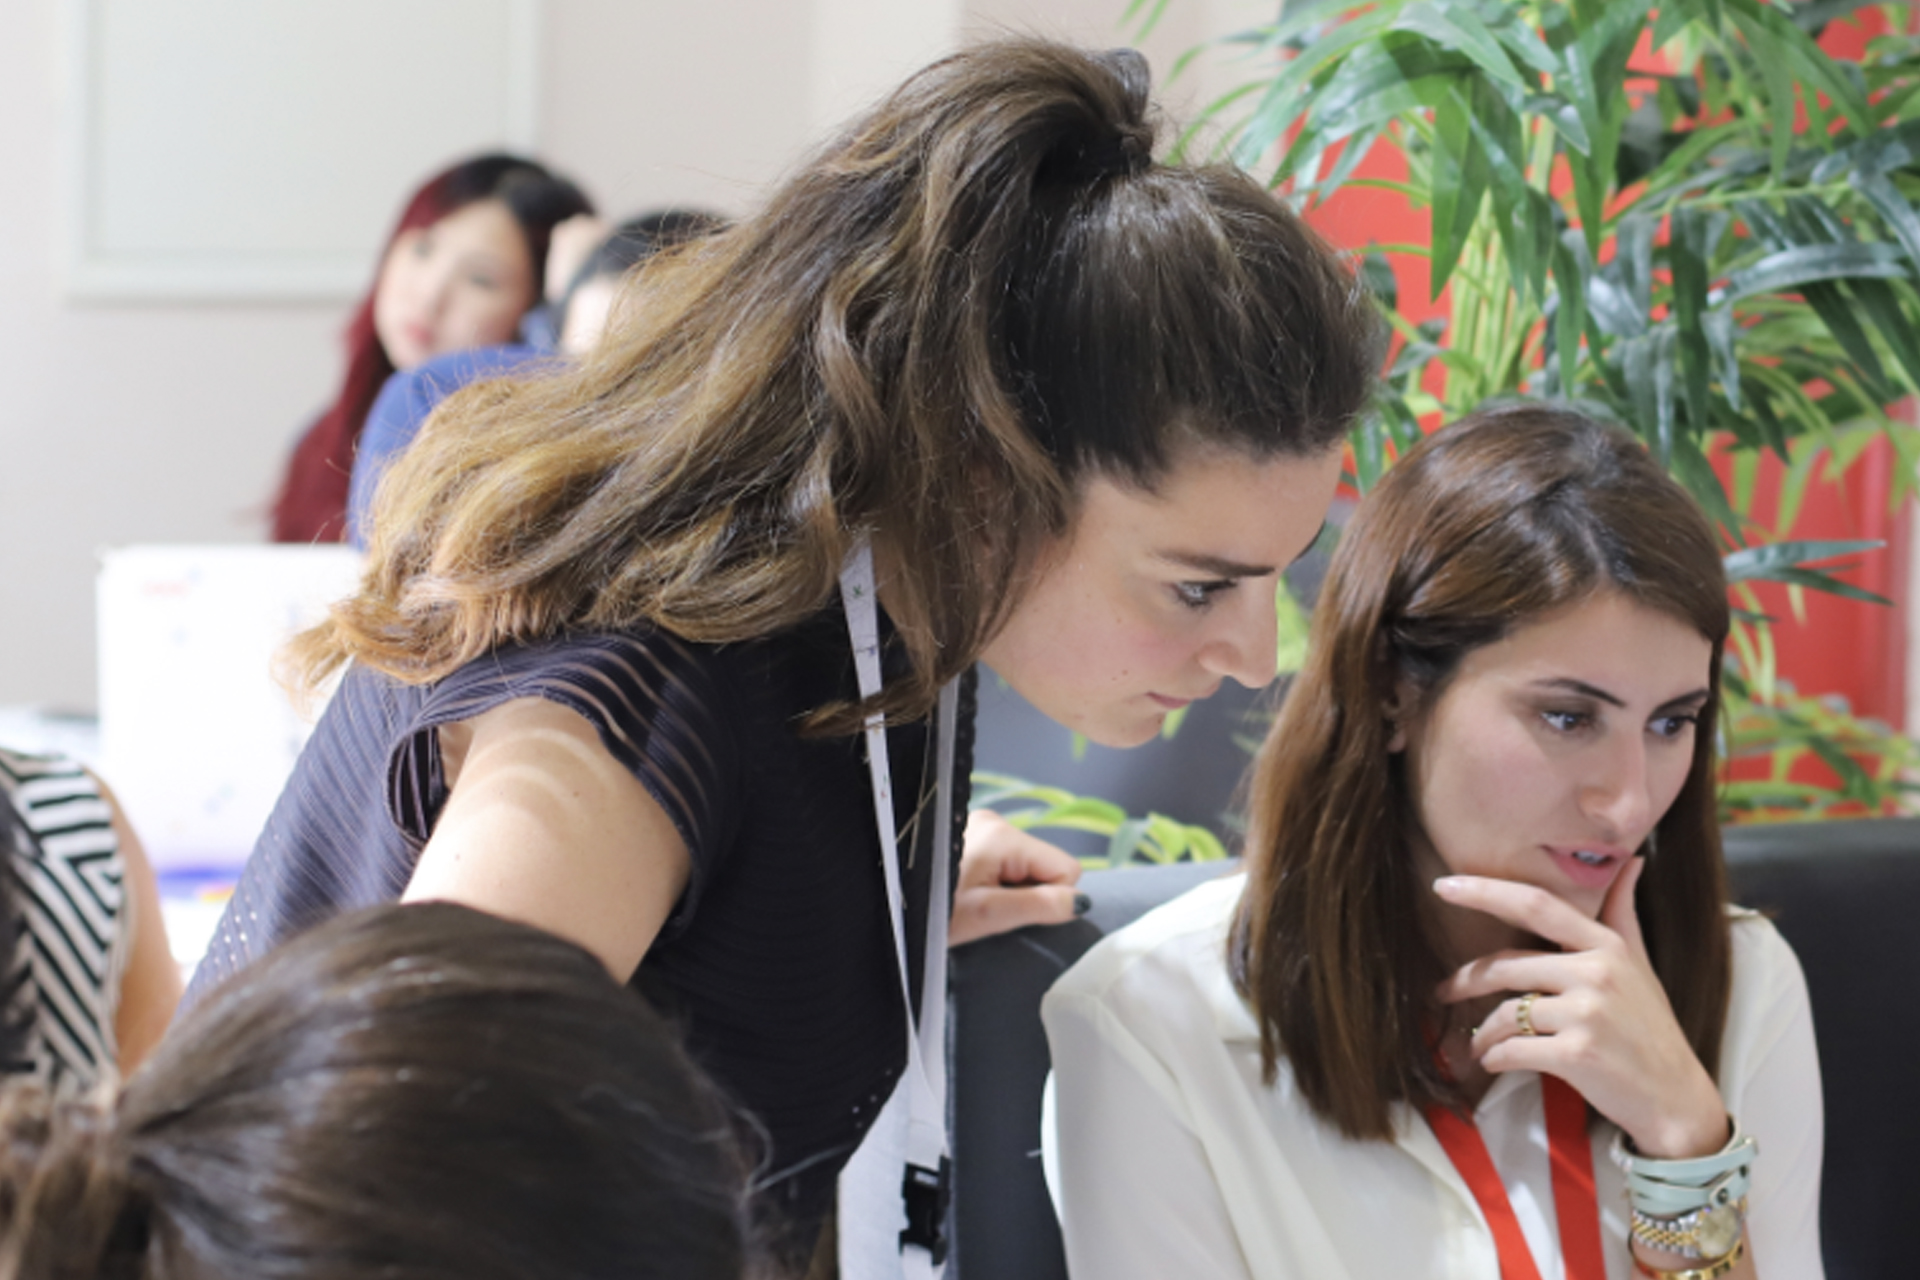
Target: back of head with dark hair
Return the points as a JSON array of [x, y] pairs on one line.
[[633, 242], [420, 1093], [980, 293], [639, 238], [1511, 514]]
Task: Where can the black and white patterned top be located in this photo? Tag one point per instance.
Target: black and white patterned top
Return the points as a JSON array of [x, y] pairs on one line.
[[69, 896]]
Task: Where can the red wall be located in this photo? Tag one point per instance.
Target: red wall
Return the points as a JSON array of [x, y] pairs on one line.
[[1843, 647]]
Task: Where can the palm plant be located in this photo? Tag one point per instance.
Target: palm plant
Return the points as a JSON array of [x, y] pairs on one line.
[[1691, 220], [1153, 837]]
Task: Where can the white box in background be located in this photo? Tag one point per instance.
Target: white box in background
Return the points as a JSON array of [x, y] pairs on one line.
[[197, 737]]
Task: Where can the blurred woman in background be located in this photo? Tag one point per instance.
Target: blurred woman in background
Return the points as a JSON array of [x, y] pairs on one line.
[[582, 285], [464, 264]]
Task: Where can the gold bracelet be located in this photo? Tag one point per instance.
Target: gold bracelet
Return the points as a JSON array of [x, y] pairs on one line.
[[1704, 1233], [1711, 1271]]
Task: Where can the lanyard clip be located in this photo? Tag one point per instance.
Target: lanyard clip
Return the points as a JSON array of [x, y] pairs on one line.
[[927, 1193]]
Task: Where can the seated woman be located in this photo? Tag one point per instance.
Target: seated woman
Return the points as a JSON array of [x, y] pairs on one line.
[[92, 982], [1478, 1007], [460, 270], [417, 1091], [581, 287]]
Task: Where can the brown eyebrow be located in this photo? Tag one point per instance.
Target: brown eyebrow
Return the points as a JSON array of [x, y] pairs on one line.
[[1220, 567], [1215, 566], [1601, 695]]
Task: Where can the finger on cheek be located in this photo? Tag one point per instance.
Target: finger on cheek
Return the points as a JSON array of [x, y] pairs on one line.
[[1618, 909], [1629, 882], [1476, 893]]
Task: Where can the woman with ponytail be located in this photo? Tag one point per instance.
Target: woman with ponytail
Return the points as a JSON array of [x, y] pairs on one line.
[[461, 268], [1053, 404], [427, 1092]]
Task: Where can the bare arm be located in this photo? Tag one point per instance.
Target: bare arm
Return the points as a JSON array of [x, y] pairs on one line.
[[544, 826], [150, 988]]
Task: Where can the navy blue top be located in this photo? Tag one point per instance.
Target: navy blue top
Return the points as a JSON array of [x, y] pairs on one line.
[[778, 960], [404, 403]]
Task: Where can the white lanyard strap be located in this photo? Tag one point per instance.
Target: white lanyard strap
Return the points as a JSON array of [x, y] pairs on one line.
[[924, 1183]]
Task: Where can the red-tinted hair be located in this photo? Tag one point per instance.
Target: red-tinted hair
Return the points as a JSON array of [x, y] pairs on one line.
[[312, 503]]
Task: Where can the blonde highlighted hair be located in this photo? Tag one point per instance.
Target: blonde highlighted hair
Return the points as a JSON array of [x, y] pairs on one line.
[[979, 293]]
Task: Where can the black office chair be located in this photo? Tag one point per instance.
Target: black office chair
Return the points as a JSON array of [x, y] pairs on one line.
[[1002, 1225], [1845, 894]]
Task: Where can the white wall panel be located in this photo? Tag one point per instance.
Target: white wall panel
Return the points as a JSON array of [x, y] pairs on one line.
[[255, 148]]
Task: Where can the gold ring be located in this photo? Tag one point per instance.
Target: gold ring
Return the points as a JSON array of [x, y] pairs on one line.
[[1523, 1014]]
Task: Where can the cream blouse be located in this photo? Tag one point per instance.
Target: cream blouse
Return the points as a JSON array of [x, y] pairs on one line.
[[1168, 1157]]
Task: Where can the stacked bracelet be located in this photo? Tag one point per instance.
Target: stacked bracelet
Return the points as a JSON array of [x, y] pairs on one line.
[[1694, 1208], [1704, 1233], [1712, 1271]]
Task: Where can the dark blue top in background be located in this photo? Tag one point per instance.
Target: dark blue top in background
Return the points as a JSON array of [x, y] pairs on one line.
[[404, 403]]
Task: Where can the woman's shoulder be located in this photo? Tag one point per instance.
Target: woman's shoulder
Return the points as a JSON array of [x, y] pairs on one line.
[[644, 657], [1769, 993], [1760, 954], [1171, 962], [17, 766], [50, 787], [642, 644]]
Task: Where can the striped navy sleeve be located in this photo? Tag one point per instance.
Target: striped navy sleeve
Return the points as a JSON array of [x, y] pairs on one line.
[[662, 708]]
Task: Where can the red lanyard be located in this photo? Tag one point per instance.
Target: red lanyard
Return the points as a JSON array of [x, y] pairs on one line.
[[1575, 1202]]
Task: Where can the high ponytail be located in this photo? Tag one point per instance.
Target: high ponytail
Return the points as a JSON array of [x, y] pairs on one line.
[[67, 1207], [978, 294]]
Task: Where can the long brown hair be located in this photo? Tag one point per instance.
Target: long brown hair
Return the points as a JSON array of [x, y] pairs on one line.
[[416, 1092], [978, 293], [1485, 526]]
